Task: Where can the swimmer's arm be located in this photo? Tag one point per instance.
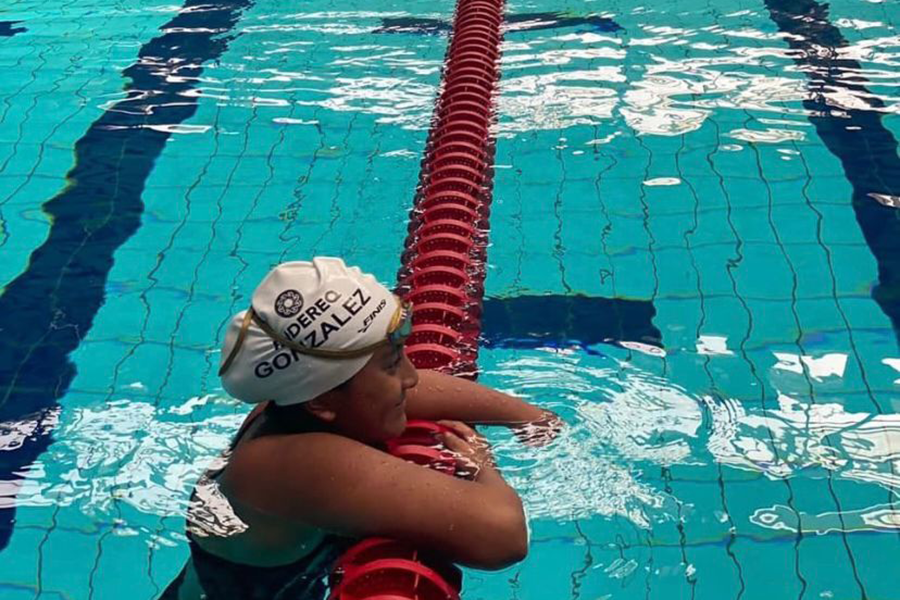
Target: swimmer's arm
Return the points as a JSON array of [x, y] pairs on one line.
[[339, 485], [438, 396]]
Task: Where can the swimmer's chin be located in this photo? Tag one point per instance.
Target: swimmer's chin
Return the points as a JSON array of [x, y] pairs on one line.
[[398, 425]]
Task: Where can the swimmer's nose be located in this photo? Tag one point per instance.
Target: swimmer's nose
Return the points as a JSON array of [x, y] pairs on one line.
[[410, 375]]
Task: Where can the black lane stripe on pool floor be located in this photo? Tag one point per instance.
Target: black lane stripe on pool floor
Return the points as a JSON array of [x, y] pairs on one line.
[[49, 308], [558, 321], [10, 28], [857, 137]]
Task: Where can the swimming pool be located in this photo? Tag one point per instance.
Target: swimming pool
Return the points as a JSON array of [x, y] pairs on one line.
[[693, 259]]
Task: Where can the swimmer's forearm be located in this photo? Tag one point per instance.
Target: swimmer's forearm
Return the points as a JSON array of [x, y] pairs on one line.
[[439, 396], [490, 476]]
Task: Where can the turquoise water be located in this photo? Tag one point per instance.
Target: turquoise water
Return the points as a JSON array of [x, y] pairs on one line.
[[748, 448]]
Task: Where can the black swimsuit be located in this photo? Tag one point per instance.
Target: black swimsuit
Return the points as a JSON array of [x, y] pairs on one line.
[[301, 580], [222, 579]]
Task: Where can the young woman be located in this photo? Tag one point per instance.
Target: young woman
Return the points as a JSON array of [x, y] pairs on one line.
[[320, 352]]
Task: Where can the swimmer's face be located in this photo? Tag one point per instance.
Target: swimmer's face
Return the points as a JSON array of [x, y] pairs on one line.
[[372, 407]]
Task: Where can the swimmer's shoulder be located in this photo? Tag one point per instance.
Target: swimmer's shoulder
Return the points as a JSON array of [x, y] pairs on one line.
[[267, 456], [267, 468], [261, 422], [269, 539]]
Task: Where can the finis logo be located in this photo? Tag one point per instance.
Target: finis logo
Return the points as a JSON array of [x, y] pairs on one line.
[[288, 303]]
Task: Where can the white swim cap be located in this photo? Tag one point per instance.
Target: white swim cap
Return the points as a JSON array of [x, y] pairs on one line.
[[321, 305]]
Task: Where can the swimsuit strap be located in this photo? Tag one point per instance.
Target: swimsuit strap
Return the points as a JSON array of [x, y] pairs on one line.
[[246, 425]]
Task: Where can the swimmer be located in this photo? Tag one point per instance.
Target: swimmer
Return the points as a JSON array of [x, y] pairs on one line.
[[320, 353]]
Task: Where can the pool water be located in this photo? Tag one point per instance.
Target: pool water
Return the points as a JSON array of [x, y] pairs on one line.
[[693, 259]]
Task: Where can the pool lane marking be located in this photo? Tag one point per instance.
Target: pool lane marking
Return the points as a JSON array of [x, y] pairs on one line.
[[856, 136], [11, 28], [47, 310], [564, 320]]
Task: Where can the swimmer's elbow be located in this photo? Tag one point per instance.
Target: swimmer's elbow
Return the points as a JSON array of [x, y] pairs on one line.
[[517, 541], [515, 550], [508, 544]]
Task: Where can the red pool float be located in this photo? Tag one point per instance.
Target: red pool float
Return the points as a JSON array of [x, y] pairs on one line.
[[441, 274]]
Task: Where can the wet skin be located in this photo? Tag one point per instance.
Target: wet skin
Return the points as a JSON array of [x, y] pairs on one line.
[[292, 489]]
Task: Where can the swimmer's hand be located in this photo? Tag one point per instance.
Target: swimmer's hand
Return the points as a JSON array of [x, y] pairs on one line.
[[539, 432], [472, 451]]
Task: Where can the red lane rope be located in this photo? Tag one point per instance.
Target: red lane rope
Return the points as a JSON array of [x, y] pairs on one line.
[[442, 274], [442, 270]]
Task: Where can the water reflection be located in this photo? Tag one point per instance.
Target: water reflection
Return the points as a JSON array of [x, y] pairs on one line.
[[627, 423], [785, 518], [512, 22], [210, 513], [620, 423], [798, 435], [128, 451], [662, 78], [894, 363]]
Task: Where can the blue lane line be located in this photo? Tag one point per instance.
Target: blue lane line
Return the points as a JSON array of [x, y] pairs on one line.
[[48, 309], [9, 29], [560, 320], [857, 137]]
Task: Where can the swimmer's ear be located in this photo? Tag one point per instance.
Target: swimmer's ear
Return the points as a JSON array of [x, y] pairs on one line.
[[321, 408]]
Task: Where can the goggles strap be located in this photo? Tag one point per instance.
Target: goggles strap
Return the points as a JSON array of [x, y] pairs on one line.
[[245, 325]]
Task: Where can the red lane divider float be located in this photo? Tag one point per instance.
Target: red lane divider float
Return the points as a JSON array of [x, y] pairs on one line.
[[442, 274], [385, 569], [443, 266]]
